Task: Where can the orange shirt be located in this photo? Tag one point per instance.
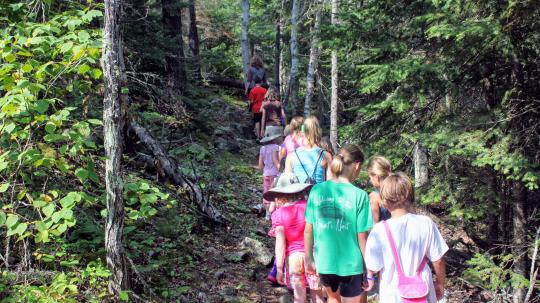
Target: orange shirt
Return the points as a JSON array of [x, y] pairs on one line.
[[256, 97]]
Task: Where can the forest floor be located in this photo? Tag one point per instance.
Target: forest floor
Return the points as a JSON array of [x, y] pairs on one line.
[[190, 260]]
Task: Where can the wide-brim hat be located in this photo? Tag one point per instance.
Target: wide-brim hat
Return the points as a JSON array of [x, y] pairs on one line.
[[271, 133], [286, 183]]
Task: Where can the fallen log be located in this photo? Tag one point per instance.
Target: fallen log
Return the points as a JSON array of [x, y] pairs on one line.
[[226, 81], [168, 168]]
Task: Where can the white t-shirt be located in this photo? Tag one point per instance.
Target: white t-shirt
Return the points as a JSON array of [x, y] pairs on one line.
[[415, 236]]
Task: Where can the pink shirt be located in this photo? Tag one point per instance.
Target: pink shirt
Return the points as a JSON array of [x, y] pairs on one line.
[[291, 144], [292, 219], [266, 153]]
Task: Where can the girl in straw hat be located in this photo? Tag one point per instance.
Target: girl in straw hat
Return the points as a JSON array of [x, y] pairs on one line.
[[288, 222]]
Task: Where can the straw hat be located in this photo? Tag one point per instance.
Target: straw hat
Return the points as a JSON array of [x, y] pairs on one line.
[[272, 133], [287, 183]]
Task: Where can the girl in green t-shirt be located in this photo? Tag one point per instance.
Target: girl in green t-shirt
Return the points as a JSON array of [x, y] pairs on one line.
[[338, 218]]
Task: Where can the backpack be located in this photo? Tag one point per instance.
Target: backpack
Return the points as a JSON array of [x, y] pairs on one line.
[[411, 289], [310, 179]]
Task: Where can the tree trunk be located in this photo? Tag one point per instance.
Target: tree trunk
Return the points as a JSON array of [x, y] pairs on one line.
[[245, 37], [293, 80], [334, 76], [113, 127], [194, 40], [313, 60], [421, 175], [519, 235], [172, 25], [277, 54]]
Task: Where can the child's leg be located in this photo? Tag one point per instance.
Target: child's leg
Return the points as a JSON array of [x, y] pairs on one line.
[[316, 295], [296, 275], [267, 184]]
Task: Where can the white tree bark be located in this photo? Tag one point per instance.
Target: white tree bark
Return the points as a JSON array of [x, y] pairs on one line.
[[334, 76], [519, 235], [421, 175], [245, 37], [313, 59], [113, 127], [293, 82]]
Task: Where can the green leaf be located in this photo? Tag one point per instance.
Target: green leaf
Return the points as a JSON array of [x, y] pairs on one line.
[[48, 210], [124, 90], [95, 121], [21, 228], [41, 226], [96, 73], [2, 217], [4, 187], [10, 58], [41, 106], [11, 221], [124, 296], [50, 127], [82, 174], [27, 68], [53, 138], [42, 236], [66, 47], [83, 69]]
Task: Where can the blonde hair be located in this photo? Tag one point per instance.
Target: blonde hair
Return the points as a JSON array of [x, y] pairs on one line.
[[312, 131], [380, 167], [397, 191], [272, 94], [296, 124], [256, 61], [347, 156]]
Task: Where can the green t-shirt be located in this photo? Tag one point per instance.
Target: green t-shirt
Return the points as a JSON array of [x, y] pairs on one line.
[[338, 212]]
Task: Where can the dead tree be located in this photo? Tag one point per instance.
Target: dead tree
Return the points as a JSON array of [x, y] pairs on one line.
[[194, 40], [172, 26], [334, 76]]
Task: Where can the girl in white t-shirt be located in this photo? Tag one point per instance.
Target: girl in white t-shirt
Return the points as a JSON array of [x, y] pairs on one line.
[[416, 237]]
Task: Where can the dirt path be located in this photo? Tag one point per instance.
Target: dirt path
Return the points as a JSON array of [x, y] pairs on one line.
[[223, 273]]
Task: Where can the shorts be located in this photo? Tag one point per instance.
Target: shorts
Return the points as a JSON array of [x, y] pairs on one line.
[[349, 286], [267, 185], [297, 273], [257, 117]]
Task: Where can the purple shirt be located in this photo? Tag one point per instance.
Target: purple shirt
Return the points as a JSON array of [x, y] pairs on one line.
[[266, 153]]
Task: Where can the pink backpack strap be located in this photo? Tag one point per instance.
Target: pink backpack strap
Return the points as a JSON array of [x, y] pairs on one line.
[[396, 255]]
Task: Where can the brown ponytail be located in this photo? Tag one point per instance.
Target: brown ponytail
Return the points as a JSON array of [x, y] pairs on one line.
[[348, 155]]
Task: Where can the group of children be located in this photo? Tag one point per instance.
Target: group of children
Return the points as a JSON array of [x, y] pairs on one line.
[[331, 236]]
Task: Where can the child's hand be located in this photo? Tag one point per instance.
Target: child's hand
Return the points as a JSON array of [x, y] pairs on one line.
[[280, 277], [368, 285], [310, 266], [439, 291]]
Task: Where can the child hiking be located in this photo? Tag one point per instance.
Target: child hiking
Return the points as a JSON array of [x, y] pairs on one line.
[[309, 161], [273, 113], [378, 169], [269, 161], [256, 97], [288, 222], [399, 247], [338, 218]]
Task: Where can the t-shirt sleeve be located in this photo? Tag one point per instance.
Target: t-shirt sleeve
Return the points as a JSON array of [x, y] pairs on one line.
[[374, 255], [309, 215], [364, 220], [276, 219], [437, 246]]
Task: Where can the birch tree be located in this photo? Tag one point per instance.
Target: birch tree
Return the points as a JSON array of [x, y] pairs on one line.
[[245, 38], [313, 59], [113, 127], [293, 81], [334, 77]]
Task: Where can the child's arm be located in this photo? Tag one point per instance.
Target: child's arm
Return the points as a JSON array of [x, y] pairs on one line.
[[280, 253], [272, 207], [261, 162], [440, 272], [370, 280], [263, 120], [362, 239], [283, 115], [275, 158], [308, 248], [289, 163], [374, 200]]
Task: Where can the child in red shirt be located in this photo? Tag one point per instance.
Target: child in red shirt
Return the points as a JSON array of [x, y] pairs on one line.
[[256, 97]]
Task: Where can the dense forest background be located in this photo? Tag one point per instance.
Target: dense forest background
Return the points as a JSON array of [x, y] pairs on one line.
[[447, 90]]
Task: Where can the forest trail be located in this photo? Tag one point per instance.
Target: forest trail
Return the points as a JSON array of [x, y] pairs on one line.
[[222, 272]]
